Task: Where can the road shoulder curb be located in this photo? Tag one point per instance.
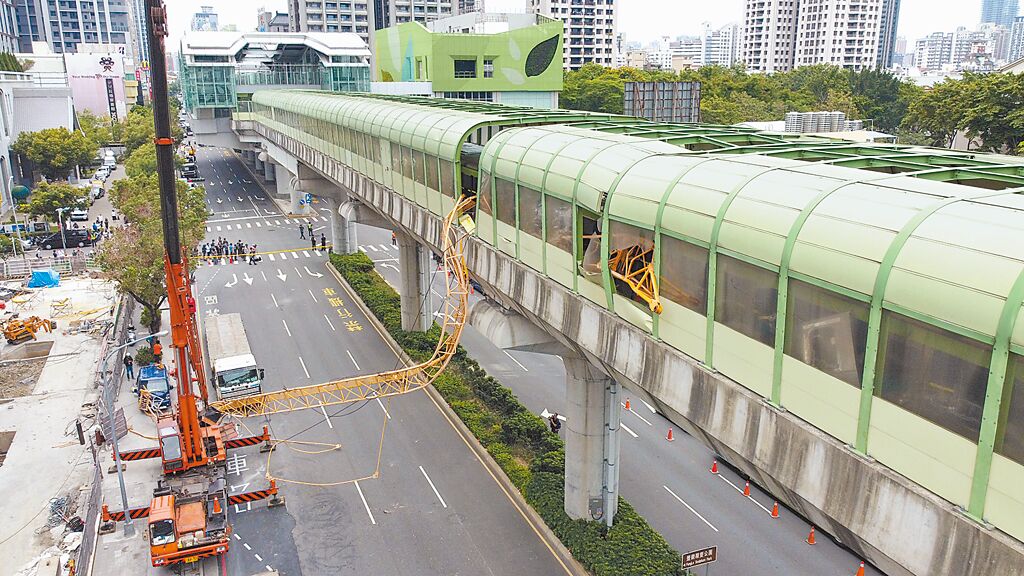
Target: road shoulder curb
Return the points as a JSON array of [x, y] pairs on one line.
[[538, 523]]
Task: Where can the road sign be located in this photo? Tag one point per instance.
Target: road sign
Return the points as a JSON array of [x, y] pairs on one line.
[[120, 425], [700, 557], [309, 198]]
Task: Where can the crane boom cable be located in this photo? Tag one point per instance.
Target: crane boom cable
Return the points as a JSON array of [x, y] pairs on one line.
[[391, 382]]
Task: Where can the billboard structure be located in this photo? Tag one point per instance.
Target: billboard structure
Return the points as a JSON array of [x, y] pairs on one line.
[[97, 83], [663, 101]]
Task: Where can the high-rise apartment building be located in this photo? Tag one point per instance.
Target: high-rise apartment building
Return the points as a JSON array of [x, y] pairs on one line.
[[888, 23], [205, 20], [1016, 48], [271, 21], [932, 51], [769, 35], [64, 24], [464, 6], [590, 26], [8, 27], [1000, 12], [838, 32], [140, 27], [720, 47], [362, 17]]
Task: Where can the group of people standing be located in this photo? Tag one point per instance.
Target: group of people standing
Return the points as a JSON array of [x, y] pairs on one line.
[[303, 228], [221, 248]]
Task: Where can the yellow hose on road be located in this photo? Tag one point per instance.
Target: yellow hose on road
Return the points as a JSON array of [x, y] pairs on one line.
[[393, 382]]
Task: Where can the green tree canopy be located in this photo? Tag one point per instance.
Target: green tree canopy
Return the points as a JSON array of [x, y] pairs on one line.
[[137, 128], [56, 151], [134, 256], [49, 196], [96, 128]]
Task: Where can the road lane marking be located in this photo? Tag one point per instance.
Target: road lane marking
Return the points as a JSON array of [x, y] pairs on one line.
[[626, 428], [329, 323], [262, 273], [649, 407], [353, 360], [247, 225], [326, 417], [277, 222], [295, 256], [271, 256], [313, 297], [383, 247], [637, 415], [386, 413], [697, 514], [361, 249], [740, 490], [365, 505], [372, 247], [246, 544], [237, 537], [218, 228], [258, 225], [258, 557], [303, 366], [269, 569], [306, 254], [432, 487], [285, 323], [514, 359]]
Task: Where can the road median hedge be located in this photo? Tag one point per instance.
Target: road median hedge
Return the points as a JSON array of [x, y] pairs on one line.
[[532, 457]]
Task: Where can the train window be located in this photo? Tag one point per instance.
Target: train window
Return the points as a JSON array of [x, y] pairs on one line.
[[505, 201], [558, 220], [746, 298], [630, 253], [447, 178], [934, 373], [684, 274], [1010, 435], [484, 197], [827, 331], [530, 220], [396, 157], [406, 162], [417, 166], [431, 172]]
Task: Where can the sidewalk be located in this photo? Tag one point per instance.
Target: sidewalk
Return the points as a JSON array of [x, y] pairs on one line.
[[39, 402]]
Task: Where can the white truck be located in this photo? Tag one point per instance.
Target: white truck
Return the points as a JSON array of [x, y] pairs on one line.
[[233, 367]]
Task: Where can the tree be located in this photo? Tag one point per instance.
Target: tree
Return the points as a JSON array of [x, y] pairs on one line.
[[56, 151], [9, 63], [939, 113], [994, 111], [48, 197], [143, 161], [134, 256], [95, 128], [138, 128]]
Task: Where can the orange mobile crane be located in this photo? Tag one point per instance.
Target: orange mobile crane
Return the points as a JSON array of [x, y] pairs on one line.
[[188, 515]]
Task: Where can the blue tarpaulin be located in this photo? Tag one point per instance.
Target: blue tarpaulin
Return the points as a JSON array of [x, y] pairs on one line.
[[44, 279]]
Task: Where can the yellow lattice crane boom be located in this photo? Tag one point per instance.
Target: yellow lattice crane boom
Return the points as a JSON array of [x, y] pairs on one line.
[[394, 382]]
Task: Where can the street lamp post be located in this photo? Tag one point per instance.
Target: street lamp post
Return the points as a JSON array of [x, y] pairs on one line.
[[14, 208], [129, 526], [60, 224]]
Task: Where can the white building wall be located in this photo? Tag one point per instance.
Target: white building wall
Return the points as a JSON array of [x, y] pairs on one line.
[[839, 32], [590, 31], [769, 35]]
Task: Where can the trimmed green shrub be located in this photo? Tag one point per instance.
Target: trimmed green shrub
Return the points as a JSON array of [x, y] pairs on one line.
[[520, 442]]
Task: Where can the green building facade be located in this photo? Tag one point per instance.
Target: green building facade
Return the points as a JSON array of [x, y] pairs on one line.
[[509, 58]]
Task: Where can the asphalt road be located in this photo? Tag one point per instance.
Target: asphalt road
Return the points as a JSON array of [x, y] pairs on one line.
[[669, 483], [432, 509]]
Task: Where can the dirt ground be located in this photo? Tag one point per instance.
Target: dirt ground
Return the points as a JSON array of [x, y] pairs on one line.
[[19, 378]]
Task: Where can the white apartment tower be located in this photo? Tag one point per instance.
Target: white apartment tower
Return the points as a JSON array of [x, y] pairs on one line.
[[839, 32], [720, 46], [769, 35], [591, 27]]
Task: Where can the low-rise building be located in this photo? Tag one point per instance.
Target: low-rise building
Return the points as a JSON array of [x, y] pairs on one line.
[[509, 58]]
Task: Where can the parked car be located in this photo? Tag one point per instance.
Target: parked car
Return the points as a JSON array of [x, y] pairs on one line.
[[74, 238], [79, 215], [102, 173]]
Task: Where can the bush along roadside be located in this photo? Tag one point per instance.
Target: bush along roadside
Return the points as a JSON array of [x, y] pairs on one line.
[[520, 442]]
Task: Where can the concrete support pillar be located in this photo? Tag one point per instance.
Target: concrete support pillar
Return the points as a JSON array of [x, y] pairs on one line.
[[343, 230], [268, 171], [283, 189], [414, 265], [297, 196], [591, 442]]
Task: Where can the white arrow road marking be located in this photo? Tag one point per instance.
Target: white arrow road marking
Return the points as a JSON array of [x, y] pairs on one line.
[[282, 275], [314, 274], [247, 279], [395, 268], [234, 280]]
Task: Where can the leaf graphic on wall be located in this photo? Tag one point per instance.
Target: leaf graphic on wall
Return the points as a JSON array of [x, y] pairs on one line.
[[540, 57]]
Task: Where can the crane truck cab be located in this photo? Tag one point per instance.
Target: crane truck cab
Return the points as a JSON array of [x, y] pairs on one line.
[[186, 528], [153, 379]]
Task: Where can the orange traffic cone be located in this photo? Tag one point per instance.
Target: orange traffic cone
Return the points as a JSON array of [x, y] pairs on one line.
[[627, 404], [746, 489], [670, 438], [714, 466], [775, 510], [860, 571], [810, 537], [216, 505]]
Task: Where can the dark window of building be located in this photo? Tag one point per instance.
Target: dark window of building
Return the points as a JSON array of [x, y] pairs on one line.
[[827, 331], [684, 274], [746, 299], [465, 68]]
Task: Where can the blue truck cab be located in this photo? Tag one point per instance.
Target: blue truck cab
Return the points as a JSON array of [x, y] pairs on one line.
[[154, 379]]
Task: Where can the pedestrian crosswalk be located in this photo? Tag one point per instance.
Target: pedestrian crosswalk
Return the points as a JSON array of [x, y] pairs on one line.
[[227, 227]]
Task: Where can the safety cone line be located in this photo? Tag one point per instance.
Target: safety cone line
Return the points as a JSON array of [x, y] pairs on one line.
[[810, 537], [627, 405], [746, 489], [670, 437], [714, 466], [775, 509]]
